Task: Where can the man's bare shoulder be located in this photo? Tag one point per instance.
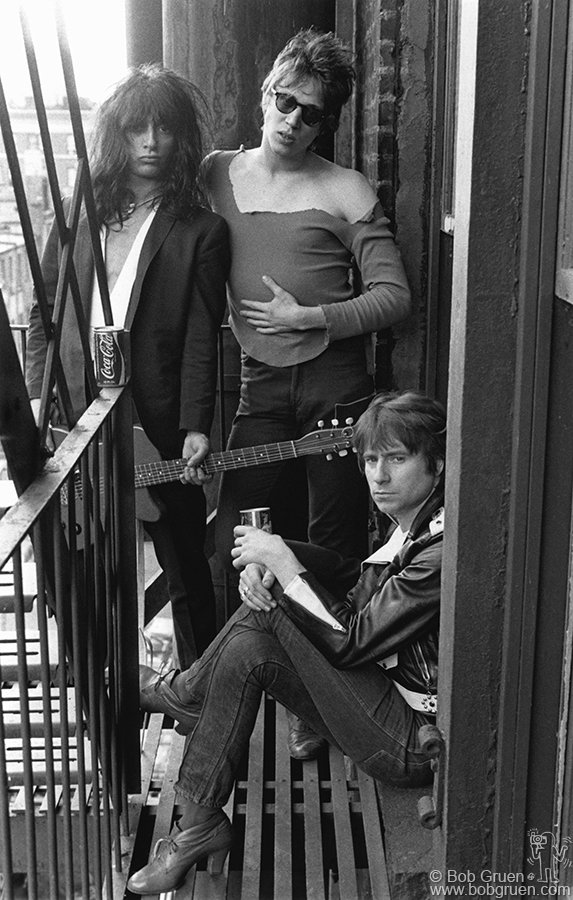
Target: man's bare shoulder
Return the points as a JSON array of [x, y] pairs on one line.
[[349, 191], [212, 164]]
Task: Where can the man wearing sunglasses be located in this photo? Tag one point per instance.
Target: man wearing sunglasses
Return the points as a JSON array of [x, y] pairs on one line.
[[298, 224]]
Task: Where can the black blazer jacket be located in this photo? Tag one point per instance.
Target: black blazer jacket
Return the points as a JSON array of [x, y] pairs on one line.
[[175, 311]]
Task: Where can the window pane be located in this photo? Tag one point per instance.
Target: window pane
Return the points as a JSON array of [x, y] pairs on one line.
[[450, 116]]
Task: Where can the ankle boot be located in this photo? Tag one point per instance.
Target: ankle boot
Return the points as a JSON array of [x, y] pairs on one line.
[[173, 857]]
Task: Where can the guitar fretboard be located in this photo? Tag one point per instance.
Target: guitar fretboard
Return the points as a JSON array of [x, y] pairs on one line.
[[163, 471]]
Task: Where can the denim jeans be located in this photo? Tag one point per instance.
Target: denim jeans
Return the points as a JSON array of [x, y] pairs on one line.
[[281, 404], [357, 709]]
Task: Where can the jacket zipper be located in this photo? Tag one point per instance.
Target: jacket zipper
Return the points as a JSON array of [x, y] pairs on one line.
[[337, 627]]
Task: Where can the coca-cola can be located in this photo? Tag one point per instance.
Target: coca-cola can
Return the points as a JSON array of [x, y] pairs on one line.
[[259, 516], [110, 356]]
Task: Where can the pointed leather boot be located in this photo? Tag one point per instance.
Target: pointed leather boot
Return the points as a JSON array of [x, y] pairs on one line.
[[173, 857], [303, 743], [155, 695]]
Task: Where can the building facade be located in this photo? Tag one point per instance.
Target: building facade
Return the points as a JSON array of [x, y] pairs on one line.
[[15, 276]]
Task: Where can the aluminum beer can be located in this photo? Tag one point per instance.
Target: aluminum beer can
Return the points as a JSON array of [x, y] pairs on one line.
[[110, 356], [259, 516]]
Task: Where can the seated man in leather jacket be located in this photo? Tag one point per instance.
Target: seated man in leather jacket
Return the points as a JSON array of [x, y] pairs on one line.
[[359, 665]]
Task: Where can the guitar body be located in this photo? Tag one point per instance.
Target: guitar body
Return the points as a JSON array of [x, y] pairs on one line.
[[147, 508]]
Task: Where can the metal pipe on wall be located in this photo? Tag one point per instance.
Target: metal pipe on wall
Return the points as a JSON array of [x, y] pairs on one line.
[[144, 40]]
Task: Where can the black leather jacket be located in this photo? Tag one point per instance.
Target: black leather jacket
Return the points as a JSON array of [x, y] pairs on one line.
[[392, 609]]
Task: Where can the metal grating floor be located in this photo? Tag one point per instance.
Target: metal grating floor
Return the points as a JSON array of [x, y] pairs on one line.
[[303, 831]]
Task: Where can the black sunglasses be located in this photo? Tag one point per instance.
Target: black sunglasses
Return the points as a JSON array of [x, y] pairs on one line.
[[286, 103]]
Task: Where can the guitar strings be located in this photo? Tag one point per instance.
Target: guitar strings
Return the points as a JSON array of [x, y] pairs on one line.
[[243, 457], [163, 471], [154, 473]]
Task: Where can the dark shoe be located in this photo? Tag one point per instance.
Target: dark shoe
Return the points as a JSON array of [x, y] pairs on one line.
[[303, 742], [173, 857], [155, 695]]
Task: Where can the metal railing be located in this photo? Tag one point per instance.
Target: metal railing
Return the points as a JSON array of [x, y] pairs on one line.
[[69, 719]]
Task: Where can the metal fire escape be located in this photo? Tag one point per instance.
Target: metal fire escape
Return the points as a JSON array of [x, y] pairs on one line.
[[69, 720]]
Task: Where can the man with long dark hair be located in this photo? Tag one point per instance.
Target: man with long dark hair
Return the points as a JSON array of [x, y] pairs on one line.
[[167, 260]]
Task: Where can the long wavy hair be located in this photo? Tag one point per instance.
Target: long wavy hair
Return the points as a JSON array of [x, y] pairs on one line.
[[149, 93]]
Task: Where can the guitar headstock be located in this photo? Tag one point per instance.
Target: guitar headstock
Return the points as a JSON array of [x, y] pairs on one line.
[[327, 441]]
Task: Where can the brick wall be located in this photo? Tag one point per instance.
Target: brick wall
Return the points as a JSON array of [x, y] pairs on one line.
[[392, 147], [377, 23]]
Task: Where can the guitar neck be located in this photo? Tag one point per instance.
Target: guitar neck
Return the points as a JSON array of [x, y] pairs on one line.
[[163, 471]]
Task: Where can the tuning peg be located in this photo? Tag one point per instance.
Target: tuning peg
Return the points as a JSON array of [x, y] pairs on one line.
[[335, 422], [349, 421], [329, 456], [320, 423], [343, 452]]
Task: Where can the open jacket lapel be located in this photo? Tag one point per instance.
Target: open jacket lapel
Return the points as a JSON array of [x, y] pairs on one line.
[[160, 228]]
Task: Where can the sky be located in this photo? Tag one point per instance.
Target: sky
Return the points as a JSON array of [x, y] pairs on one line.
[[96, 34]]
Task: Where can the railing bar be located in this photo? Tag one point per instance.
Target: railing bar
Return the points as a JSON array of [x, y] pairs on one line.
[[76, 119], [41, 611], [82, 175], [110, 458], [78, 656], [91, 491], [105, 706], [104, 619], [62, 225], [67, 281], [31, 857], [22, 206], [28, 233], [6, 842], [42, 120], [60, 611], [110, 813], [64, 274], [94, 662], [20, 518], [128, 655]]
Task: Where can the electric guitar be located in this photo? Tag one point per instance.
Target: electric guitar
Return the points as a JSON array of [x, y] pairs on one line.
[[151, 470]]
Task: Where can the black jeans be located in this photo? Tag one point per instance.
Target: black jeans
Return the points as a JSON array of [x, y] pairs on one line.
[[281, 404], [358, 709], [179, 538]]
